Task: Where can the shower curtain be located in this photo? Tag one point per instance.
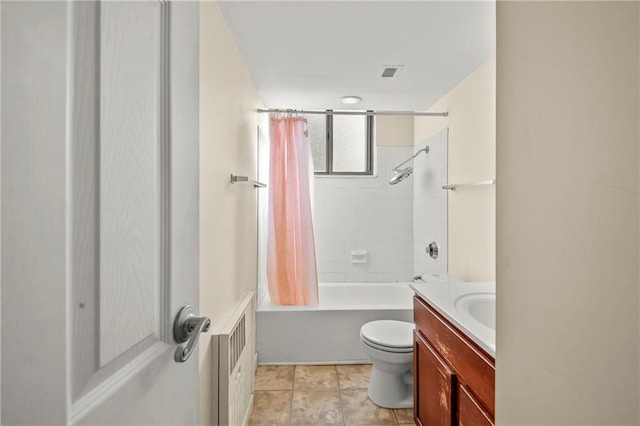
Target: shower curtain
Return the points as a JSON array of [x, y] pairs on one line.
[[291, 257]]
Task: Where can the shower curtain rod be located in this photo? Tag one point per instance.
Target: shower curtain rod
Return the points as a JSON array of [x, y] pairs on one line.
[[308, 111]]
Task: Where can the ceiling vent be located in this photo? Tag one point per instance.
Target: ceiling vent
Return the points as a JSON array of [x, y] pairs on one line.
[[390, 71]]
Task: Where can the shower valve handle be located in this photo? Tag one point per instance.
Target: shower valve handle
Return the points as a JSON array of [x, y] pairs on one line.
[[432, 250]]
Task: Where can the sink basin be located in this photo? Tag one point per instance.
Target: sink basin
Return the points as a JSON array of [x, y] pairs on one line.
[[479, 306]]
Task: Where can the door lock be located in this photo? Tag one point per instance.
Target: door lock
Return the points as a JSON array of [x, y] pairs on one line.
[[186, 331]]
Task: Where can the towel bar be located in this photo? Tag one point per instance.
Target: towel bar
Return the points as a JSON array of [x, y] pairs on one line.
[[455, 186], [241, 179]]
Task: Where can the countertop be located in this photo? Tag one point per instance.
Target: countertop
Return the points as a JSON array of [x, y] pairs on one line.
[[443, 296]]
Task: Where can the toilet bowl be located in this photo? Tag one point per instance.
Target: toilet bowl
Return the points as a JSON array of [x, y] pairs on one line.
[[389, 346]]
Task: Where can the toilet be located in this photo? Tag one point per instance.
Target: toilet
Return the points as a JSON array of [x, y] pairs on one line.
[[389, 346]]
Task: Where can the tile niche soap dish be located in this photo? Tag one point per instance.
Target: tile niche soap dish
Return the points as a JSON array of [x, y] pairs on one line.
[[359, 256]]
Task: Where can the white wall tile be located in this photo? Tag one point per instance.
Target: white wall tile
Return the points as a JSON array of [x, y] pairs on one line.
[[331, 277], [394, 223], [366, 214], [430, 206]]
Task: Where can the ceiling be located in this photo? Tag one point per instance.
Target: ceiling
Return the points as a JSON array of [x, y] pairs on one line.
[[308, 54]]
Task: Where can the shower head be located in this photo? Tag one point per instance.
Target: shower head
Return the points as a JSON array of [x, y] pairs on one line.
[[400, 175]]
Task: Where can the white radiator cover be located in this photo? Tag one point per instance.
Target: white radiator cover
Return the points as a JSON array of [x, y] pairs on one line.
[[233, 346]]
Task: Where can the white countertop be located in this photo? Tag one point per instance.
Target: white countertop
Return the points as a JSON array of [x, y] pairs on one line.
[[443, 296]]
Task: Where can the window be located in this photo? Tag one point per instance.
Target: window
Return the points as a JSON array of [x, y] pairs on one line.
[[341, 144]]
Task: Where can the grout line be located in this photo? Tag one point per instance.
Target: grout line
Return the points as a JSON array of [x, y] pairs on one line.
[[293, 389], [293, 383], [335, 370], [339, 390], [395, 416], [291, 412]]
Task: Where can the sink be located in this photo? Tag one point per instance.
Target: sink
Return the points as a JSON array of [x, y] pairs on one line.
[[479, 306]]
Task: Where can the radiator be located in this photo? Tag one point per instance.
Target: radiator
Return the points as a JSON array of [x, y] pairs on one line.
[[233, 343]]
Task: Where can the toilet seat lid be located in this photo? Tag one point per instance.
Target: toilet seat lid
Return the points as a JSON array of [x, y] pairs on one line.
[[387, 348], [389, 333]]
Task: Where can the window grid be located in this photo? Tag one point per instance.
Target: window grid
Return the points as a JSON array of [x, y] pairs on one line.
[[329, 151]]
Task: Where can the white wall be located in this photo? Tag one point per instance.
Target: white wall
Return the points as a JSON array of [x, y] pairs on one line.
[[263, 207], [471, 158], [228, 234], [567, 211], [394, 130]]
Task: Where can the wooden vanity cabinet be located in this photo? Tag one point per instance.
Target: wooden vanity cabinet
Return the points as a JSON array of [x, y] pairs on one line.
[[434, 394], [454, 379]]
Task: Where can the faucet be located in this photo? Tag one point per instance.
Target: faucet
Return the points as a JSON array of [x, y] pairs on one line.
[[418, 277]]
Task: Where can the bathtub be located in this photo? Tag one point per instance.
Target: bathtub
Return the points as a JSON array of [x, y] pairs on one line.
[[330, 332]]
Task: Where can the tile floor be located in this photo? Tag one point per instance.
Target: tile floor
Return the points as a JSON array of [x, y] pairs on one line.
[[319, 395]]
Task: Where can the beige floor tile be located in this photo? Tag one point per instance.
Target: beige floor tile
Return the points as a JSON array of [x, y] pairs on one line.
[[315, 377], [358, 409], [316, 407], [355, 376], [271, 408], [274, 377], [405, 416]]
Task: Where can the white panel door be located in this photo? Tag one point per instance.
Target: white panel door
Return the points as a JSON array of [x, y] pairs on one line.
[[99, 211]]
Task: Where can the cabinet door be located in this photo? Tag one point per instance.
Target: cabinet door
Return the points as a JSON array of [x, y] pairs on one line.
[[471, 412], [434, 385]]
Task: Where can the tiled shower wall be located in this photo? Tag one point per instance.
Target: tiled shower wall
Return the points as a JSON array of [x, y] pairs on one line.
[[430, 204], [365, 213], [393, 223]]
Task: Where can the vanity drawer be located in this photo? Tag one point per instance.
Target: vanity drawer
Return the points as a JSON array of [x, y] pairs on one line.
[[472, 365]]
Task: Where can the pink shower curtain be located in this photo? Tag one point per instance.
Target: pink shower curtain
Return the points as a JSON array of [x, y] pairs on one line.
[[291, 257]]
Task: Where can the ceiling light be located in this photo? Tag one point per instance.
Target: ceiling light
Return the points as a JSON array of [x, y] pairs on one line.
[[350, 100]]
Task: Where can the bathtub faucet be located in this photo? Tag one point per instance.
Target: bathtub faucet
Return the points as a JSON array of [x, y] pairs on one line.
[[418, 278]]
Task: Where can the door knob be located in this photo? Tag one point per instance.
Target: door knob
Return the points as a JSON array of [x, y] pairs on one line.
[[186, 331]]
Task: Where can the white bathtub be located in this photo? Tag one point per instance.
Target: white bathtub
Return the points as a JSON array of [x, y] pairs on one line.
[[330, 332]]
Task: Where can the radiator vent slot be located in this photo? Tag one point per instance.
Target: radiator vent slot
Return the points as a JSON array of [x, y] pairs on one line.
[[233, 348], [238, 340]]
